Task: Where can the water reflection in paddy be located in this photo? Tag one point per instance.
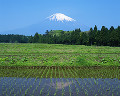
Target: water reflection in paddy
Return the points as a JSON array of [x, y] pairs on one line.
[[49, 81]]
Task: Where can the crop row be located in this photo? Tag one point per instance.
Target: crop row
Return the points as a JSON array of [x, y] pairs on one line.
[[61, 81]]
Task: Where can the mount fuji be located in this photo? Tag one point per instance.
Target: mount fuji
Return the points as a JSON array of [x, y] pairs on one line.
[[60, 17], [57, 21]]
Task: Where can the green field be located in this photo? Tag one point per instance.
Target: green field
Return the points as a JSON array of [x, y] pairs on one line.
[[16, 54], [59, 70]]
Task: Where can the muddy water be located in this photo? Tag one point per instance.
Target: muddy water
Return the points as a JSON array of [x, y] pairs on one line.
[[66, 81]]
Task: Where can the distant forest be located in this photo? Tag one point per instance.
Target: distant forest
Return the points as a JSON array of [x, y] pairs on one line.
[[103, 37], [11, 38]]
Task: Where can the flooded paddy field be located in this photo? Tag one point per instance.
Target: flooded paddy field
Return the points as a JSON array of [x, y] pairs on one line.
[[60, 81]]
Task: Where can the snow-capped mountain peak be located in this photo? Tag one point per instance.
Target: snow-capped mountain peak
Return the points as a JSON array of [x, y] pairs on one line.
[[60, 17]]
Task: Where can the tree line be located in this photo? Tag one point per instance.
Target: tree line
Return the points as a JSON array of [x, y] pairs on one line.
[[11, 38], [103, 37]]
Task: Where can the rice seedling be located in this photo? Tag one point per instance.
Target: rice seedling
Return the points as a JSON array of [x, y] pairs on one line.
[[48, 91], [76, 75], [26, 91], [57, 84], [42, 89], [63, 90], [11, 88], [43, 74], [68, 82], [84, 81], [77, 90], [41, 77], [63, 84], [48, 71], [51, 75], [86, 92], [50, 86]]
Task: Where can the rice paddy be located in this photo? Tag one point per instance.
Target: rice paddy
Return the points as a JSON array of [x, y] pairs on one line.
[[59, 81], [59, 70]]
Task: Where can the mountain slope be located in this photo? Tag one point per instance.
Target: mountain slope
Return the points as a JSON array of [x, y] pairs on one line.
[[56, 21]]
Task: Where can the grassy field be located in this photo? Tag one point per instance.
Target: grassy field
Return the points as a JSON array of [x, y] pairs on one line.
[[59, 70], [58, 55]]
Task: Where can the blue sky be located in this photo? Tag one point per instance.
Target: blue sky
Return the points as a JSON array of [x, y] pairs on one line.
[[16, 14]]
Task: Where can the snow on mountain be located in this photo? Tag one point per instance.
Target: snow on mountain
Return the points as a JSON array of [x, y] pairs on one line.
[[60, 17], [57, 21]]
